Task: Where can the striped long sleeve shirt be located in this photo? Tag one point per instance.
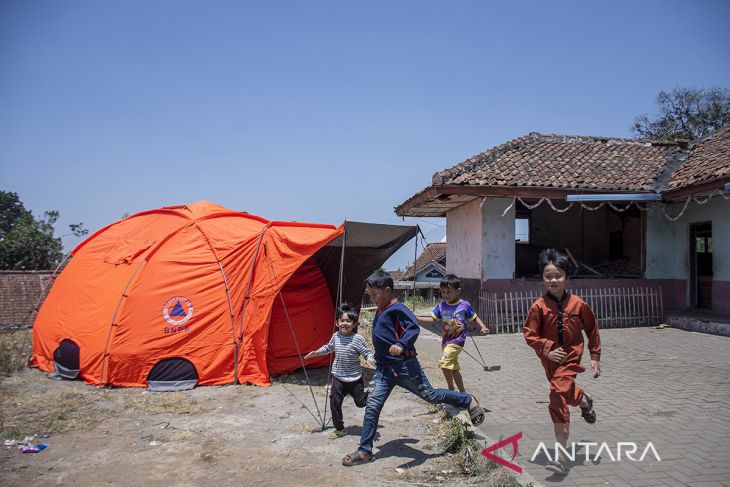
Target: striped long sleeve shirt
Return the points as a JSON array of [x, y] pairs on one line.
[[348, 349]]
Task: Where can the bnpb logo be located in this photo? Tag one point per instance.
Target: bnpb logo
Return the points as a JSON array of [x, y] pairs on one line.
[[177, 311]]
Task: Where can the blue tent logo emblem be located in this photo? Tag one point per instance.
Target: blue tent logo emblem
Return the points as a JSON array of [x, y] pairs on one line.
[[177, 310]]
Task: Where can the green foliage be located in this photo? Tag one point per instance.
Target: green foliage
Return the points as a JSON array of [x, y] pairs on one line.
[[27, 242], [11, 210], [685, 113], [418, 302]]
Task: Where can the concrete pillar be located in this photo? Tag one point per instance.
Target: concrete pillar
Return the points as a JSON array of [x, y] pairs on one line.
[[498, 237]]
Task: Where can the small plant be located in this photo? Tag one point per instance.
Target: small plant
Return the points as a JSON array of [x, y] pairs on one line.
[[457, 440]]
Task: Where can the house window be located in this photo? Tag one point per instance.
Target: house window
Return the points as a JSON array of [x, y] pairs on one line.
[[435, 273], [703, 245], [522, 229]]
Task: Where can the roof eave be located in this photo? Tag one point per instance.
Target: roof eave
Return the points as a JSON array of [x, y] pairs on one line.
[[436, 200], [700, 188]]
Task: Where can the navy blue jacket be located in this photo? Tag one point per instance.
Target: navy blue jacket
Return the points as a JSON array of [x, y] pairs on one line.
[[395, 324]]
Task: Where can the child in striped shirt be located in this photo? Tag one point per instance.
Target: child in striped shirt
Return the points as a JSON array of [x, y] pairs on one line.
[[348, 345]]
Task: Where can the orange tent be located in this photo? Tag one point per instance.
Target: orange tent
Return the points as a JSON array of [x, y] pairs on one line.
[[199, 294]]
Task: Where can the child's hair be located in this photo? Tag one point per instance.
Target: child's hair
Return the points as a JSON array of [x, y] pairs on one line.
[[379, 280], [347, 310], [450, 280], [556, 258]]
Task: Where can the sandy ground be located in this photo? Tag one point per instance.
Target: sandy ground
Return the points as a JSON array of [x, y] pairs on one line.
[[231, 435]]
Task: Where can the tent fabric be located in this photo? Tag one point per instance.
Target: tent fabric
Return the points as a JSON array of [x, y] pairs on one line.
[[223, 290]]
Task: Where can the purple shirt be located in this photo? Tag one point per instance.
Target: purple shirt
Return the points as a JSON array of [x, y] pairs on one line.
[[454, 318]]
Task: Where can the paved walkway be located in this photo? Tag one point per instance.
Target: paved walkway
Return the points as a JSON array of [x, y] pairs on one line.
[[668, 387]]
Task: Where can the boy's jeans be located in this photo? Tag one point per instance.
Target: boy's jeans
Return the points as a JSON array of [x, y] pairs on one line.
[[409, 375]]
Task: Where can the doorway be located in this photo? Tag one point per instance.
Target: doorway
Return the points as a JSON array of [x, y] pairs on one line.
[[700, 245]]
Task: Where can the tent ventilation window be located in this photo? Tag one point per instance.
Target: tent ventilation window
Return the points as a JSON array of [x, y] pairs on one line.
[[172, 374], [66, 359]]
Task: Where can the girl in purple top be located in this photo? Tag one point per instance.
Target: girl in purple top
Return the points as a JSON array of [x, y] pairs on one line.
[[453, 313]]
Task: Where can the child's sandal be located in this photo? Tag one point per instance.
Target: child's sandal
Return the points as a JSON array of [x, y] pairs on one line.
[[337, 434], [357, 458], [587, 411], [558, 467], [476, 414]]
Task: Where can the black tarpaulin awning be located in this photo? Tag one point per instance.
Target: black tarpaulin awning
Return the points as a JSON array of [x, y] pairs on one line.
[[367, 247]]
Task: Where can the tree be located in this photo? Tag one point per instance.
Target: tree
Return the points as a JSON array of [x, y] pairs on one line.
[[685, 113], [26, 242]]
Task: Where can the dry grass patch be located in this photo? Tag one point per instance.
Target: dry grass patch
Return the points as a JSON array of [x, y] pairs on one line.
[[169, 403], [184, 436], [47, 412], [15, 348]]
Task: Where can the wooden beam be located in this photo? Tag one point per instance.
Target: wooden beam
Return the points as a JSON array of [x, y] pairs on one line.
[[708, 187]]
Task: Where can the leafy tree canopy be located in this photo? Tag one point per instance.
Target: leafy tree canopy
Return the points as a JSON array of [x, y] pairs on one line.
[[685, 113], [27, 242]]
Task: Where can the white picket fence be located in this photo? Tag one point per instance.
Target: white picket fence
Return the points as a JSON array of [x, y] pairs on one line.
[[506, 312]]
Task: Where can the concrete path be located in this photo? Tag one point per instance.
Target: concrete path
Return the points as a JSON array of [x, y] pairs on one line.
[[668, 387]]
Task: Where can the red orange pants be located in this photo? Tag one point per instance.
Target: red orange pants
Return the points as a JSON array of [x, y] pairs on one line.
[[563, 392]]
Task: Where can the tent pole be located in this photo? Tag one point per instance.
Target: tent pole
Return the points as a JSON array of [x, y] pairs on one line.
[[112, 325], [233, 320], [415, 258], [296, 343], [228, 294], [304, 367], [337, 304], [32, 314], [238, 341]]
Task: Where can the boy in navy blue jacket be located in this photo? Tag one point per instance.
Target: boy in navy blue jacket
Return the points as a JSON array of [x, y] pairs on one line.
[[395, 330]]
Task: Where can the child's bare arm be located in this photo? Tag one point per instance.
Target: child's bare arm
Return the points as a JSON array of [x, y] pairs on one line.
[[320, 351], [596, 366], [482, 326], [323, 350], [426, 319], [366, 353]]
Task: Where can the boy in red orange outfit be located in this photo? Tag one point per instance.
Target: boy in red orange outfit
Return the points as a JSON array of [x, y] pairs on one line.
[[553, 329]]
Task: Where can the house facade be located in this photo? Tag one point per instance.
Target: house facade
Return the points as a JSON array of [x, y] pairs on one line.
[[630, 213], [423, 277]]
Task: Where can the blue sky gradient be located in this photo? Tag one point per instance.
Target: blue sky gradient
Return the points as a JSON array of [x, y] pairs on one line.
[[317, 111]]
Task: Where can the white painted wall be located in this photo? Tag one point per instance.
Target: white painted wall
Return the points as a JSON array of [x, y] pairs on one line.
[[498, 235], [463, 237], [662, 260], [667, 243]]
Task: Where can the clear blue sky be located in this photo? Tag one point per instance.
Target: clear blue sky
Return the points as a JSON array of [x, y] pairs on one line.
[[317, 111]]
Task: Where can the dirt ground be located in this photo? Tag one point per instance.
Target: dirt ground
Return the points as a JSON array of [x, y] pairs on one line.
[[232, 435]]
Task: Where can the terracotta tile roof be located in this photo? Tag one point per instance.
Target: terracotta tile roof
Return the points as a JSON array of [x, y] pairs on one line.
[[709, 159], [19, 292], [564, 161], [434, 252], [396, 275]]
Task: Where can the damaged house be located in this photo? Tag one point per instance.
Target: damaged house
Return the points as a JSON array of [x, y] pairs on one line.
[[646, 223]]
